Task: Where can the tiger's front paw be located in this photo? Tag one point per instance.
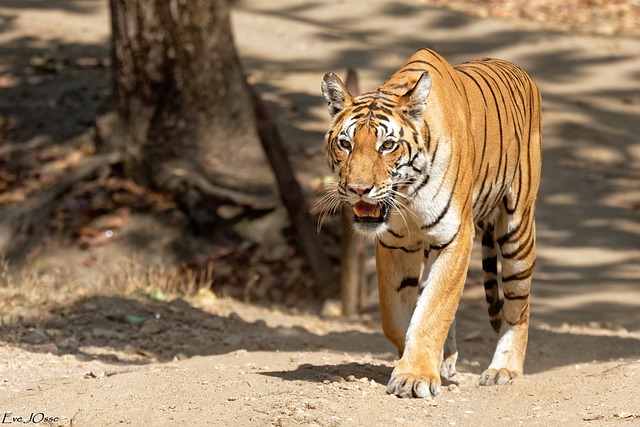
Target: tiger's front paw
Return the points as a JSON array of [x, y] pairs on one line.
[[498, 376], [409, 384]]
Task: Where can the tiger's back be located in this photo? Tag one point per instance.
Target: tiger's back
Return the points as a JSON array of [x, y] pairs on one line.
[[505, 125], [500, 104], [506, 132]]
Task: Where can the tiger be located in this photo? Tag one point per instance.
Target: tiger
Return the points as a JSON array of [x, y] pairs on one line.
[[433, 156]]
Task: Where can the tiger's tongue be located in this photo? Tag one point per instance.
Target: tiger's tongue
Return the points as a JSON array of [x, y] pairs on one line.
[[366, 209]]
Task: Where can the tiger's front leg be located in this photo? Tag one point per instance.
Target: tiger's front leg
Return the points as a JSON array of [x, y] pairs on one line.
[[398, 269], [417, 373]]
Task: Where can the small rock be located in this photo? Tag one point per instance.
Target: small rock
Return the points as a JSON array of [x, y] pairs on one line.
[[106, 333], [90, 306], [151, 328], [180, 304], [453, 388], [214, 323], [229, 211], [623, 414], [331, 309], [335, 379], [69, 342], [36, 337]]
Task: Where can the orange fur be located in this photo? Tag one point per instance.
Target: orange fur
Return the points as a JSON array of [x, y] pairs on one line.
[[430, 156]]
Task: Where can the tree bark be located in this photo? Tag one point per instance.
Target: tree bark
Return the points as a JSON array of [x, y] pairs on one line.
[[182, 115]]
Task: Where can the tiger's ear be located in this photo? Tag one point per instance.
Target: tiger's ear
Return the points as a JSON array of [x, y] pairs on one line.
[[335, 93], [415, 101]]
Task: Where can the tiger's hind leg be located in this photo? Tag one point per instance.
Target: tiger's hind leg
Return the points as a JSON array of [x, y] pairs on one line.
[[490, 277], [515, 232]]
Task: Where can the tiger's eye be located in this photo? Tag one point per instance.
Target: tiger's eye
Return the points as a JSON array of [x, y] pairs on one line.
[[388, 145], [344, 144]]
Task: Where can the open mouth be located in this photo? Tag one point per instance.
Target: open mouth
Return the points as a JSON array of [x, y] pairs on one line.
[[367, 212]]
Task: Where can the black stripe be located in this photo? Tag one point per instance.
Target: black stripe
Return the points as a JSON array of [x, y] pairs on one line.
[[507, 236], [426, 137], [494, 309], [408, 70], [442, 214], [496, 324], [490, 265], [425, 180], [384, 245], [520, 276], [417, 61], [487, 77], [444, 245], [394, 234], [521, 320], [515, 297], [408, 282], [484, 181], [487, 239], [490, 284], [523, 250], [384, 92], [446, 208], [484, 142]]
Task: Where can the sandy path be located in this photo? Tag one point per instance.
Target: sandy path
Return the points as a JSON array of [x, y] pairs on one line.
[[261, 367]]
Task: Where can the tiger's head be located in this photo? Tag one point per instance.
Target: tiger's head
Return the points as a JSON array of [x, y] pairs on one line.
[[376, 146]]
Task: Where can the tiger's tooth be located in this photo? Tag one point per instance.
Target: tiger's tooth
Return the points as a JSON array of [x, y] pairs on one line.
[[357, 212]]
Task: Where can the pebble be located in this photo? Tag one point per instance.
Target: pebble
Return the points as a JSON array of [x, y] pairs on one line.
[[106, 333], [331, 309], [335, 379]]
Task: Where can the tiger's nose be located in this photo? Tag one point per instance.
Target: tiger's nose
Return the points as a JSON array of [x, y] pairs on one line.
[[359, 189]]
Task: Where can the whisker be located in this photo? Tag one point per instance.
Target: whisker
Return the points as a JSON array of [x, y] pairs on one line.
[[329, 203], [402, 215], [401, 204]]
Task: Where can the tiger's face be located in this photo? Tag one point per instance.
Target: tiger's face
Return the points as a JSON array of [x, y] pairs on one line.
[[375, 146]]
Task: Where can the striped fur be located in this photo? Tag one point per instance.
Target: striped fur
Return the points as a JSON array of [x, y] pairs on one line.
[[432, 155]]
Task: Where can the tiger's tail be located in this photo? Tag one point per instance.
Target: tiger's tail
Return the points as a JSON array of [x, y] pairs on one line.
[[490, 276]]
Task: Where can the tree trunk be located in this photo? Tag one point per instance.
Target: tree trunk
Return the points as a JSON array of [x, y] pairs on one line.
[[351, 245], [182, 116]]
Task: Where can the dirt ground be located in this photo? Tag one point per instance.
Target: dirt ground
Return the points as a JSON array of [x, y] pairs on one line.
[[95, 352]]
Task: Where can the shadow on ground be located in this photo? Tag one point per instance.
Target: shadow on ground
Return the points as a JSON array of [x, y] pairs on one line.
[[118, 330]]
